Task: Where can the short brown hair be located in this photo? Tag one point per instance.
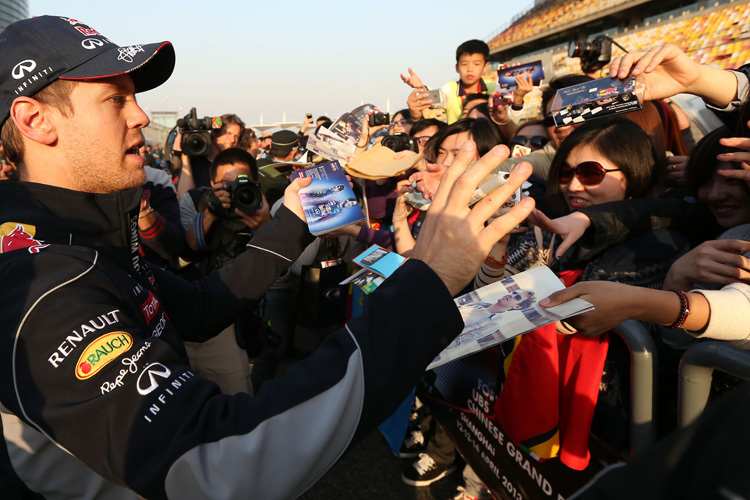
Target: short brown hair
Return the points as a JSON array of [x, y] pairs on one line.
[[57, 95]]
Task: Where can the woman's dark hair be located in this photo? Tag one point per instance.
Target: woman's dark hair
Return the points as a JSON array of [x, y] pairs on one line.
[[403, 112], [620, 141], [426, 123], [483, 133], [700, 167]]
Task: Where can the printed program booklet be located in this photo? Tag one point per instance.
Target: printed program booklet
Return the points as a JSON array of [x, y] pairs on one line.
[[505, 309], [328, 201]]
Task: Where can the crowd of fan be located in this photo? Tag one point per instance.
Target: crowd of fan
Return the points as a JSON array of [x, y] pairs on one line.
[[653, 209]]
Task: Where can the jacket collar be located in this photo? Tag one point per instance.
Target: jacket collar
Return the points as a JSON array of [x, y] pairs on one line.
[[39, 214]]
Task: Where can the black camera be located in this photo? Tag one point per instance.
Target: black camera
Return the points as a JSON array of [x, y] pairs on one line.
[[246, 196], [594, 54], [400, 142], [376, 119], [196, 134]]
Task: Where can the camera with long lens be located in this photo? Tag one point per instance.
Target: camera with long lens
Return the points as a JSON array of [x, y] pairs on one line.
[[245, 194], [196, 134], [400, 142], [594, 54]]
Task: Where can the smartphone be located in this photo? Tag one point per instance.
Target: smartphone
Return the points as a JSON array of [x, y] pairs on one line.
[[438, 98], [309, 115]]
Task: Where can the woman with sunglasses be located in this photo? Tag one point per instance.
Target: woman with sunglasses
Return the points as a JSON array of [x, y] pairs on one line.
[[532, 134], [603, 161]]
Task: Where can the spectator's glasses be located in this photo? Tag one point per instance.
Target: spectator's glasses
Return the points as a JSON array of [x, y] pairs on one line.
[[548, 121], [537, 141], [422, 140], [401, 123], [589, 173]]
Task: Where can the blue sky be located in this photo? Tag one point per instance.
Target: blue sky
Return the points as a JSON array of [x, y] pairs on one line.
[[322, 57]]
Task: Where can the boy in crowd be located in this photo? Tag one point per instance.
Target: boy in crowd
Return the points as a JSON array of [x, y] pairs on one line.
[[472, 60]]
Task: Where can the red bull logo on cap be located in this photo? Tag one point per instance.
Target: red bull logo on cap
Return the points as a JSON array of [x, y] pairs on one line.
[[15, 236]]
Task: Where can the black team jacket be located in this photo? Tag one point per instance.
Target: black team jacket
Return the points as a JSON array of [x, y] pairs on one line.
[[99, 401]]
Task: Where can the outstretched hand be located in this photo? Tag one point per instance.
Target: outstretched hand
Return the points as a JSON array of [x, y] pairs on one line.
[[712, 262], [429, 179], [413, 80], [613, 303], [667, 71], [571, 227], [454, 240], [291, 196]]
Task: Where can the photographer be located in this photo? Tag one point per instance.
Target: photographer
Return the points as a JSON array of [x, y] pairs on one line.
[[284, 144], [195, 169], [216, 232]]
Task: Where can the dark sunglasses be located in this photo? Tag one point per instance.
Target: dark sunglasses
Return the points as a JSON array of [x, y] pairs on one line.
[[537, 141], [589, 173]]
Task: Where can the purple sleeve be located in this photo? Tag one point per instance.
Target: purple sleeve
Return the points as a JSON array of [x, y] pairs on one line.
[[381, 200], [380, 237]]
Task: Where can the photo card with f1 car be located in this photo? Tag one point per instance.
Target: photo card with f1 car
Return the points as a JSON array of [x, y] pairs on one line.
[[596, 99], [506, 77]]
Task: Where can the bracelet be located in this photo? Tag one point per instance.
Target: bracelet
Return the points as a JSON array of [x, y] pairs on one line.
[[493, 263], [684, 310], [146, 213]]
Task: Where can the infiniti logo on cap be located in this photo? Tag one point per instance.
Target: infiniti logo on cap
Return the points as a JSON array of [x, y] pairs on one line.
[[20, 69], [91, 43]]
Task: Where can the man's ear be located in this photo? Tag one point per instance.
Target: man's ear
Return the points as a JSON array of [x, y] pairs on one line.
[[32, 119]]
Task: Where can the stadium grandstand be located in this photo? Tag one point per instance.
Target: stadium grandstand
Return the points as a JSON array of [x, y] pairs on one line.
[[710, 32]]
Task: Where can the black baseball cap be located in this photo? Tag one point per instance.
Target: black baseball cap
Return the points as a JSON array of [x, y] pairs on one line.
[[35, 52]]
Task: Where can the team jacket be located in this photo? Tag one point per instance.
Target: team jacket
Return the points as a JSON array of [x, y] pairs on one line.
[[99, 401]]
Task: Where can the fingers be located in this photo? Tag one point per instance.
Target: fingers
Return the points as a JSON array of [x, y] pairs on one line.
[[460, 163], [505, 223], [486, 207], [562, 296]]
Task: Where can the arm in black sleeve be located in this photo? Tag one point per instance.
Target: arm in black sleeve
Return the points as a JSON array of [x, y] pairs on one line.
[[126, 404], [203, 308], [618, 221]]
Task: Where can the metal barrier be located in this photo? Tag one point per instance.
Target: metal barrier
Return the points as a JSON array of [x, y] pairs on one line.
[[643, 370], [696, 372]]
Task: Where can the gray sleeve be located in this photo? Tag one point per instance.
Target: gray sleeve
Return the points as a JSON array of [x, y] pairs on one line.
[[187, 212]]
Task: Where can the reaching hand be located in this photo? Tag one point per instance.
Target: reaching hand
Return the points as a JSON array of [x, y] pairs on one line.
[[454, 240], [571, 227], [291, 196], [499, 114], [613, 303], [413, 80], [741, 158], [667, 70], [417, 103], [428, 180], [677, 170], [711, 262], [524, 85]]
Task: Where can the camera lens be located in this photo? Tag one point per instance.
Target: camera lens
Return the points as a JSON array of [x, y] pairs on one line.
[[196, 143], [247, 197]]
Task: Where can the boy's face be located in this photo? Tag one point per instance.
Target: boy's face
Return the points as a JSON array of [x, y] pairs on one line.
[[470, 67]]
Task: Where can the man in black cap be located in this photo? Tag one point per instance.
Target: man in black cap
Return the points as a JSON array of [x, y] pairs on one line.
[[97, 398], [275, 179]]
